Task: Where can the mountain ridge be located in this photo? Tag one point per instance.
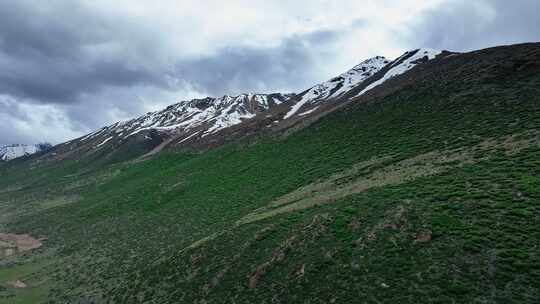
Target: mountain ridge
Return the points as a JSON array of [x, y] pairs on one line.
[[209, 122]]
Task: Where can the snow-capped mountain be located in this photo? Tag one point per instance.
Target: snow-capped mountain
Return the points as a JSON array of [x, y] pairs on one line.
[[403, 64], [339, 85], [201, 117], [368, 74], [209, 122], [10, 152]]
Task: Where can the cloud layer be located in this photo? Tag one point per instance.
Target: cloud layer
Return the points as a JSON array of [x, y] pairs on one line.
[[68, 67], [470, 25]]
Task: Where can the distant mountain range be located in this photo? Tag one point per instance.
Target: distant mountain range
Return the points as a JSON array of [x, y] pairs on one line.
[[201, 124]]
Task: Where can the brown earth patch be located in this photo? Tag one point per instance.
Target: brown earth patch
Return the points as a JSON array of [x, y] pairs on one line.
[[422, 236], [11, 243], [17, 284]]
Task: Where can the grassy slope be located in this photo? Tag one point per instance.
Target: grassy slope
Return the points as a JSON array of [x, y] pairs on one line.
[[120, 232]]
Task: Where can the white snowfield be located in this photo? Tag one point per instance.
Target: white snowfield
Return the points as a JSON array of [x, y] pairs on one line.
[[10, 152], [203, 117]]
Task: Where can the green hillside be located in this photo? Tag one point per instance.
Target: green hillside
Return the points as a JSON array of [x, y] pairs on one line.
[[428, 195]]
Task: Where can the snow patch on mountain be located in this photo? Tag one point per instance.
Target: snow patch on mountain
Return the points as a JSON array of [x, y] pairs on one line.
[[10, 152], [341, 84], [407, 64], [308, 111], [105, 141]]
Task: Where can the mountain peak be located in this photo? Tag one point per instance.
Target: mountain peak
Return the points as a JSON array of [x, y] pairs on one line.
[[404, 63], [341, 84]]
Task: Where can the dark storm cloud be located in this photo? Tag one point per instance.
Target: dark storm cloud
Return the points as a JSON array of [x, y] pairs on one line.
[[469, 25], [56, 55], [238, 70], [29, 31], [232, 70], [51, 58], [64, 82]]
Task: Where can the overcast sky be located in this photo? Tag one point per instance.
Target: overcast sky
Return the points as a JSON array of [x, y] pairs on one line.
[[68, 67]]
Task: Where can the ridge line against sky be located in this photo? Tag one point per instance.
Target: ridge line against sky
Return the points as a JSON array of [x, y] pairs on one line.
[[70, 67]]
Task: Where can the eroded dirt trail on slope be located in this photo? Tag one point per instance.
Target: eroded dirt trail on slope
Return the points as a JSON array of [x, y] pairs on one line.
[[385, 171]]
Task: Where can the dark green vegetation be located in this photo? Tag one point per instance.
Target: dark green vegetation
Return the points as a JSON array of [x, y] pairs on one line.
[[168, 230]]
